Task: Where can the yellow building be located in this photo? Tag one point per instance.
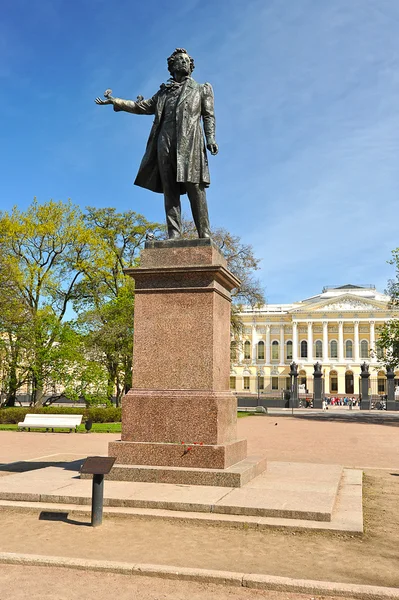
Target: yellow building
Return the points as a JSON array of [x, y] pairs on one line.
[[338, 328]]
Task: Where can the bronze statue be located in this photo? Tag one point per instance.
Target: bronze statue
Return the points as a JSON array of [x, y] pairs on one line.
[[294, 369], [175, 161]]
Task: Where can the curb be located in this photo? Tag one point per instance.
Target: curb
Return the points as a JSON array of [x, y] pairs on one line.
[[249, 580]]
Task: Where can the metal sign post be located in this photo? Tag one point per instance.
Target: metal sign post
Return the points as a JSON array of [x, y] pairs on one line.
[[98, 466]]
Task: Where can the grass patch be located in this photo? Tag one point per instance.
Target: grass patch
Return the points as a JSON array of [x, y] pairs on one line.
[[96, 428], [102, 428]]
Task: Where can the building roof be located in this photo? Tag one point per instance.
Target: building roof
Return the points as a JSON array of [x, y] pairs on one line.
[[343, 298]]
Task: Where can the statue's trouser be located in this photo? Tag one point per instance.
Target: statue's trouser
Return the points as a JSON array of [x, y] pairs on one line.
[[167, 154]]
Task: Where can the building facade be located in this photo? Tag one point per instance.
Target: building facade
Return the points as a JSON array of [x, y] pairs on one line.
[[338, 328]]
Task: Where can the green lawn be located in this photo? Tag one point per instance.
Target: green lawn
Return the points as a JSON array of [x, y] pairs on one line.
[[97, 428]]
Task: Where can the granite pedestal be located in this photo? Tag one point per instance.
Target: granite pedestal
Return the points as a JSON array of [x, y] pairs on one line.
[[180, 414]]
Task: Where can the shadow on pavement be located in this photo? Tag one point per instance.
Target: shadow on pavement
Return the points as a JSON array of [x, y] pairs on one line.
[[61, 516], [25, 466]]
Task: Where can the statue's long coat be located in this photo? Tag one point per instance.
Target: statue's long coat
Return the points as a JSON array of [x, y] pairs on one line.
[[195, 101]]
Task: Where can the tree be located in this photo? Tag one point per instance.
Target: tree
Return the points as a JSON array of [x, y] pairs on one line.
[[105, 298], [14, 336], [45, 250], [388, 342]]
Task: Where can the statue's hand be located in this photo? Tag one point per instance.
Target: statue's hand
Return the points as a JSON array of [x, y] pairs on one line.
[[213, 149], [108, 98]]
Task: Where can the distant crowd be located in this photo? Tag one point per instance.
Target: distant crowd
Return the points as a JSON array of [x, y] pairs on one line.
[[346, 401]]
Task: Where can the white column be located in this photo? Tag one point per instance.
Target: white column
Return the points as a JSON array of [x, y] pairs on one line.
[[268, 344], [294, 341], [310, 341], [356, 342], [325, 341], [341, 341], [254, 345], [281, 344], [372, 340]]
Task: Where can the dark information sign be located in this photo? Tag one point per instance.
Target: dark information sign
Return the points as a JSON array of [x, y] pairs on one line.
[[98, 465]]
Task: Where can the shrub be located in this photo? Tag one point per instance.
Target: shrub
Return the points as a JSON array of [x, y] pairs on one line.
[[97, 414], [103, 415]]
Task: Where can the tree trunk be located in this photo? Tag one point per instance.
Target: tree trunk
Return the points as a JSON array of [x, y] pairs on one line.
[[12, 386], [37, 391], [112, 368]]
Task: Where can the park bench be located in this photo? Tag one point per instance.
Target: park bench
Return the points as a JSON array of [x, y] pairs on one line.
[[40, 421]]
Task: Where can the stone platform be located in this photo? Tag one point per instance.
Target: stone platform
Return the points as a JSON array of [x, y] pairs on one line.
[[296, 495]]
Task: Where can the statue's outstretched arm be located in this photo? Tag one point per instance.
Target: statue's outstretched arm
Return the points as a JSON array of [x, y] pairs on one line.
[[138, 107]]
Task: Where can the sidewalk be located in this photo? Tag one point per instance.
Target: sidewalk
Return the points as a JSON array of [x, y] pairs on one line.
[[372, 559]]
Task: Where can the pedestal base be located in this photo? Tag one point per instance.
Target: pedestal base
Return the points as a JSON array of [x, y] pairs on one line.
[[179, 419], [235, 476], [179, 455]]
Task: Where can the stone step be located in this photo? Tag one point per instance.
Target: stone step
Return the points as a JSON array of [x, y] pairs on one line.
[[286, 490], [237, 475], [347, 515]]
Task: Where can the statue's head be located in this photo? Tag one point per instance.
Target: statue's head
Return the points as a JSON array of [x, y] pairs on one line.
[[179, 60]]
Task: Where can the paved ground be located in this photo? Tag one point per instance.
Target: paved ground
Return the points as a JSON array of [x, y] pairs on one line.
[[18, 583], [370, 560], [328, 439], [333, 439]]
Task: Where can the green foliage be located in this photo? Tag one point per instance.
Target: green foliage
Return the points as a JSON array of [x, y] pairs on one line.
[[105, 301], [45, 250], [96, 428], [96, 414], [388, 342], [53, 256]]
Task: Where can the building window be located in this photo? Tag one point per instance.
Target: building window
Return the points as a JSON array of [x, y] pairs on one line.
[[319, 349], [261, 383], [289, 350], [232, 383], [261, 351], [247, 350], [246, 383], [304, 349], [333, 382], [233, 350], [333, 349], [364, 349], [348, 349], [275, 350], [381, 385], [274, 383]]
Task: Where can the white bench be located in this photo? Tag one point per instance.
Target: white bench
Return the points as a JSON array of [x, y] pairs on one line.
[[40, 421]]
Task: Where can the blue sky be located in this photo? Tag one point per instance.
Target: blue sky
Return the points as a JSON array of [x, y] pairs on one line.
[[307, 115]]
